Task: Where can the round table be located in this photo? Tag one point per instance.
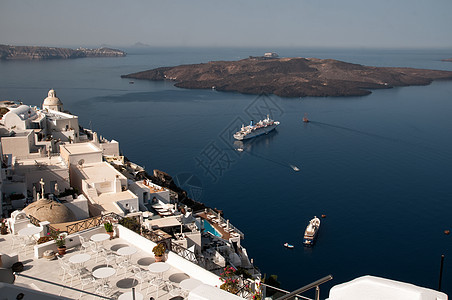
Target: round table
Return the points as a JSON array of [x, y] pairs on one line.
[[100, 237], [127, 251], [128, 296], [79, 258], [104, 273], [29, 231], [159, 267], [189, 284]]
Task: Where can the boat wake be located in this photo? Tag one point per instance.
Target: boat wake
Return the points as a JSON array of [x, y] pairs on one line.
[[356, 131]]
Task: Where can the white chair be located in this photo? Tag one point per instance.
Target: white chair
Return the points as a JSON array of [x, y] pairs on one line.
[[63, 266], [70, 270], [101, 288], [108, 256], [122, 263], [84, 244], [174, 291], [16, 240], [94, 249], [139, 275], [84, 281], [157, 283], [27, 242]]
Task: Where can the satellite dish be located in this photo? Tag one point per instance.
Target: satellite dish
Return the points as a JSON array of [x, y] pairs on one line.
[[81, 162]]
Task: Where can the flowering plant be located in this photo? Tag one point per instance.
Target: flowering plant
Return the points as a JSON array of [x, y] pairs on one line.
[[230, 280], [58, 238], [257, 291]]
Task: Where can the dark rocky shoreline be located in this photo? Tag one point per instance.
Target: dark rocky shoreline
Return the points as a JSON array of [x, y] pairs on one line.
[[8, 52], [291, 77]]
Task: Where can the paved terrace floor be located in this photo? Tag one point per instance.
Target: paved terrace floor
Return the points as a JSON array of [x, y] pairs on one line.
[[121, 282]]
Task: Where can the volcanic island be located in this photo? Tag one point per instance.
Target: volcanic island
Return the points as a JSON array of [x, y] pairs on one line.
[[291, 77]]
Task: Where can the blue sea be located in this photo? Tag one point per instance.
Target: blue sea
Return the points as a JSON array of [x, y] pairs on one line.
[[379, 166]]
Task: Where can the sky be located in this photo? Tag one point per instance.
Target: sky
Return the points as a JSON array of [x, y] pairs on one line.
[[228, 23]]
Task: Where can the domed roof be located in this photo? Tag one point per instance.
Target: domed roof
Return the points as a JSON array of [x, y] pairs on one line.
[[52, 99], [50, 210]]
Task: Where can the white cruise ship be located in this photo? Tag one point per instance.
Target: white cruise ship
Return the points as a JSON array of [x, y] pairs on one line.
[[253, 130]]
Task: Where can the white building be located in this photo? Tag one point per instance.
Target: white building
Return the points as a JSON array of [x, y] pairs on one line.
[[105, 187]]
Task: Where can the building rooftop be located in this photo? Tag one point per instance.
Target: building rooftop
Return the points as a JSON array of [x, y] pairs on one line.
[[102, 171], [81, 148], [54, 162]]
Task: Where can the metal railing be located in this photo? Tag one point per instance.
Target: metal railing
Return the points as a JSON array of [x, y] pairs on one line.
[[92, 222], [192, 257], [307, 287], [36, 222], [245, 289]]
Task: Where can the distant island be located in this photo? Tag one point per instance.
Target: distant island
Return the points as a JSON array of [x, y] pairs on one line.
[[8, 52], [291, 77]]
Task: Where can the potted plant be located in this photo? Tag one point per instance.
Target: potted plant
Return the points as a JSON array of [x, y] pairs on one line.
[[3, 228], [159, 250], [59, 239], [109, 229]]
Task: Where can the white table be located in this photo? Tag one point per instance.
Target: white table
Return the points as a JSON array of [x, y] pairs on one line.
[[128, 296], [30, 232], [100, 237], [159, 267], [127, 251], [79, 259], [189, 284], [103, 274]]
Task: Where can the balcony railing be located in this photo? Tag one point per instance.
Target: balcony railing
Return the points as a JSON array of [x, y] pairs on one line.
[[92, 222]]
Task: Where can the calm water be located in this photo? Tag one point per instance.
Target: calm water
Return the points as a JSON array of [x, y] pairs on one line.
[[378, 166]]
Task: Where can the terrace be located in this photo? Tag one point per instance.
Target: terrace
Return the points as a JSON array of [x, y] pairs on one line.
[[66, 279]]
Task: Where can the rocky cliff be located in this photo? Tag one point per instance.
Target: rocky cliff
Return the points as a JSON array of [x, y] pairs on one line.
[[8, 52], [291, 77]]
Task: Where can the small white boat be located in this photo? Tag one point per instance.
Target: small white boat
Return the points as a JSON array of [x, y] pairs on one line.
[[287, 245], [240, 149], [311, 231], [295, 168]]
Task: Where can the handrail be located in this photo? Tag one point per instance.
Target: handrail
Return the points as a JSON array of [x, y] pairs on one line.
[[60, 285], [314, 284], [36, 222], [91, 222], [284, 291]]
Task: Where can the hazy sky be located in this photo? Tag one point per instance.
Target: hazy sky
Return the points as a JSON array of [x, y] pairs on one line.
[[260, 23]]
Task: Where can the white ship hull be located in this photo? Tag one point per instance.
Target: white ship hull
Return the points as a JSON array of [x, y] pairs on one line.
[[255, 133], [253, 130]]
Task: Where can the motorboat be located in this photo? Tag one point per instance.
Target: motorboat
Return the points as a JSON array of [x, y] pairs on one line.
[[287, 245]]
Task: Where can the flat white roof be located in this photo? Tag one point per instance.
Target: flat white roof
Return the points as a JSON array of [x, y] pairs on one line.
[[98, 172], [165, 222], [81, 148], [53, 161]]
